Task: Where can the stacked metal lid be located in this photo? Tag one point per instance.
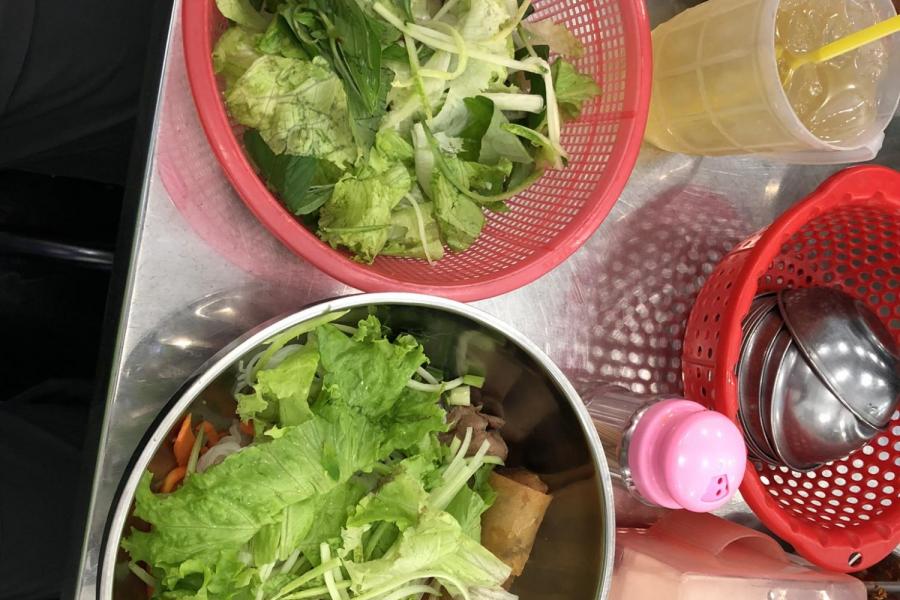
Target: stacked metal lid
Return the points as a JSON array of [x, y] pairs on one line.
[[818, 376]]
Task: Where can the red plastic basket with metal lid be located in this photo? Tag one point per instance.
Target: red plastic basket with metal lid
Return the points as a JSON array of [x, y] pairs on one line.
[[547, 223], [845, 515]]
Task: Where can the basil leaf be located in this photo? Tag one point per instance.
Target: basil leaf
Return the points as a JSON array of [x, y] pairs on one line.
[[292, 178]]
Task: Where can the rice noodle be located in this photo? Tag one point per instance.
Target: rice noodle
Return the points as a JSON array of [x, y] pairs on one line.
[[226, 447], [282, 354]]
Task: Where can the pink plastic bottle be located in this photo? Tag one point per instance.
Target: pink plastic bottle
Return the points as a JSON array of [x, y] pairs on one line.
[[689, 556]]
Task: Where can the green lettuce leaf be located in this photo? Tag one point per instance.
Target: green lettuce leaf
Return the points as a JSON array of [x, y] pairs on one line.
[[279, 341], [228, 577], [549, 155], [233, 54], [435, 547], [459, 218], [305, 525], [390, 151], [415, 417], [298, 107], [399, 501], [471, 502], [330, 513], [395, 505], [556, 36], [404, 238], [243, 13], [393, 147], [224, 507], [369, 329], [467, 507], [498, 143], [488, 179], [281, 394], [358, 214], [367, 375], [573, 89]]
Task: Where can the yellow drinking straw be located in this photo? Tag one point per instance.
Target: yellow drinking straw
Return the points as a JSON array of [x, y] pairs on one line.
[[838, 47]]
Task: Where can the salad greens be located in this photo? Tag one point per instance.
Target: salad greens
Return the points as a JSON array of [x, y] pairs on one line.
[[390, 126], [345, 490]]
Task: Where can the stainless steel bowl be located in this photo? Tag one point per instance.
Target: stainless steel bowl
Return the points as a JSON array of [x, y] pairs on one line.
[[850, 349], [761, 328], [771, 366], [810, 426], [548, 431]]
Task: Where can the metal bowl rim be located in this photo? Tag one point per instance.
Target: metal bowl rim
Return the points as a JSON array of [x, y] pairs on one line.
[[791, 360], [812, 359], [751, 330]]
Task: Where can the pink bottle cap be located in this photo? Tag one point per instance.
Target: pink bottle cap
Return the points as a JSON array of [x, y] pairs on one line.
[[682, 455]]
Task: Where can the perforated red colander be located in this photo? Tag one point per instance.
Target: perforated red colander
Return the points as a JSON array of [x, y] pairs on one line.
[[844, 516], [546, 224]]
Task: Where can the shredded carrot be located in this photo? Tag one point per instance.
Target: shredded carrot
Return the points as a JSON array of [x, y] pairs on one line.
[[172, 479], [212, 436], [184, 441], [247, 427]]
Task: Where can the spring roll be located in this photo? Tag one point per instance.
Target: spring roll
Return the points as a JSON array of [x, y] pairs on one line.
[[526, 478], [510, 526]]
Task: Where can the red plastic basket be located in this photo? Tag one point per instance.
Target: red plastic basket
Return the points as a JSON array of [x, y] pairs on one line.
[[845, 516], [547, 223]]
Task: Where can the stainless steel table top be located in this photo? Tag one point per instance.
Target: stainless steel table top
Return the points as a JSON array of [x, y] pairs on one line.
[[202, 271]]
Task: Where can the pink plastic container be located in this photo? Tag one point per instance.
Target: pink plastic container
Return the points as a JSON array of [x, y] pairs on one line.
[[689, 556]]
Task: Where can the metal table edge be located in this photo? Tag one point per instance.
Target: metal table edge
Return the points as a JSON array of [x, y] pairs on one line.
[[121, 285]]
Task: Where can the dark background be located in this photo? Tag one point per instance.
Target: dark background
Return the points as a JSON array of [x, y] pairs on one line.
[[78, 84], [52, 308]]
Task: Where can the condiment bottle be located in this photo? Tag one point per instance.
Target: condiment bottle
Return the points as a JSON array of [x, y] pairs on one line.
[[667, 451]]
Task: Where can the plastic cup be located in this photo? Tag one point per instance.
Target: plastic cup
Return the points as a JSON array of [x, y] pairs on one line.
[[716, 88]]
